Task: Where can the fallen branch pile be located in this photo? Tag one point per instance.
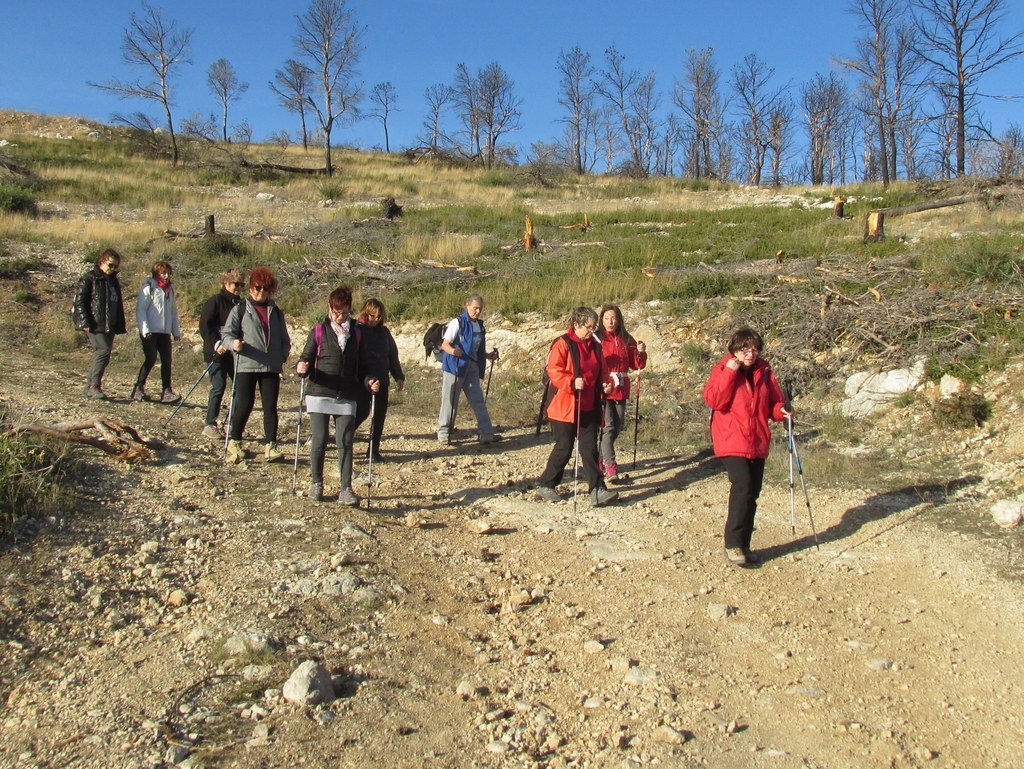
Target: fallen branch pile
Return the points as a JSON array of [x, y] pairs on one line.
[[119, 440]]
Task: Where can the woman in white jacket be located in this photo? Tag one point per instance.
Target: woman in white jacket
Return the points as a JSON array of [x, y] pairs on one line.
[[156, 313]]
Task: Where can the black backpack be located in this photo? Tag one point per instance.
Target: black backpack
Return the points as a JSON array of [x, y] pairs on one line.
[[432, 341]]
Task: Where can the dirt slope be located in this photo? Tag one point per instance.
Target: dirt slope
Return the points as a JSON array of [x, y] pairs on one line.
[[563, 636]]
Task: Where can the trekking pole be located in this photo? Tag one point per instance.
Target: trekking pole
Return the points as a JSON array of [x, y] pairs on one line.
[[231, 403], [369, 460], [490, 370], [193, 387], [636, 419], [792, 491], [799, 464], [298, 429], [576, 459]]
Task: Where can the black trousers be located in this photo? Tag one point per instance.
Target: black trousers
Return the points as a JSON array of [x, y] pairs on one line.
[[380, 413], [745, 478], [561, 452], [156, 345], [245, 399]]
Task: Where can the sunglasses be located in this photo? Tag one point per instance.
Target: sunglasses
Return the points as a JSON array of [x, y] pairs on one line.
[[260, 288], [235, 283]]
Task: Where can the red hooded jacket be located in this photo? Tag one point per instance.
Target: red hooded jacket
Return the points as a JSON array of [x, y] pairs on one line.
[[741, 409]]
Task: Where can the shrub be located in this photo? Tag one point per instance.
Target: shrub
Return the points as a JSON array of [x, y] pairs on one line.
[[17, 200], [33, 472], [962, 411], [16, 268]]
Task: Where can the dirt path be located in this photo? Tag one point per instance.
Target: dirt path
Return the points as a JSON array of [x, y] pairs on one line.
[[561, 636]]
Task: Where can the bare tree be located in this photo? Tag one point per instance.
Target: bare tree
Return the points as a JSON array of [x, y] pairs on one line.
[[1010, 155], [823, 101], [759, 102], [291, 84], [224, 85], [961, 42], [158, 47], [700, 99], [488, 109], [439, 98], [631, 97], [577, 98], [887, 67], [780, 137], [329, 45], [383, 97]]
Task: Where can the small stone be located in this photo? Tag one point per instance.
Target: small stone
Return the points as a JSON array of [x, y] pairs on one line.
[[1008, 513], [309, 684], [177, 598], [640, 676], [666, 735], [481, 526], [593, 647], [880, 664], [719, 611], [497, 747]]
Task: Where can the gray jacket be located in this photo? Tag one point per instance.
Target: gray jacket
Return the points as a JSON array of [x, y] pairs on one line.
[[261, 353]]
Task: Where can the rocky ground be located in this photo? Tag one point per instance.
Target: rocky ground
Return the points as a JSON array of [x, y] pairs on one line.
[[464, 623]]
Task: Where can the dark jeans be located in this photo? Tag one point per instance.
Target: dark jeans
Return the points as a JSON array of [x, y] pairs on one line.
[[245, 399], [344, 430], [157, 344], [380, 413], [565, 436], [222, 368], [745, 477], [102, 344]]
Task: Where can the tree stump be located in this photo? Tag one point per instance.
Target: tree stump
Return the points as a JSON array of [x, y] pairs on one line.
[[874, 229], [211, 228], [389, 208], [837, 207], [529, 241]]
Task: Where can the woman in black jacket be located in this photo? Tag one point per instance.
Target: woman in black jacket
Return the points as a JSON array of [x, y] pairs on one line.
[[99, 312], [218, 357], [382, 358], [335, 361]]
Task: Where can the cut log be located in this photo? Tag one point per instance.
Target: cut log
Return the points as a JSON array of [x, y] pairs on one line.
[[117, 438]]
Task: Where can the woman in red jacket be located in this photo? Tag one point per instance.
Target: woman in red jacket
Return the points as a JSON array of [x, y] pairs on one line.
[[743, 394], [576, 375], [621, 354]]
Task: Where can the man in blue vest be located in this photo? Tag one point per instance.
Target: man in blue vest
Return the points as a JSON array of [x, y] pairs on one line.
[[463, 366]]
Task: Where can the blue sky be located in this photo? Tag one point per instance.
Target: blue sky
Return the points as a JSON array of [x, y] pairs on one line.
[[49, 49]]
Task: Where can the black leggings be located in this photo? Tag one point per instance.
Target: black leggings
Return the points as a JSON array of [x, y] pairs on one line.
[[745, 478], [245, 399], [565, 437], [156, 344], [380, 413]]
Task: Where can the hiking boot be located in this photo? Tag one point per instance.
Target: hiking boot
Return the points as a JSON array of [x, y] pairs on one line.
[[348, 498], [601, 496], [548, 494], [485, 439], [752, 558], [236, 453], [377, 456], [170, 396], [736, 556], [212, 432], [273, 453], [611, 472], [138, 394], [95, 392], [316, 492]]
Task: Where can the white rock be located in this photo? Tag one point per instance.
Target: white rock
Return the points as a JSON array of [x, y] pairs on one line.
[[949, 386], [868, 391], [640, 676], [1008, 513], [719, 611], [310, 684], [265, 196], [593, 647]]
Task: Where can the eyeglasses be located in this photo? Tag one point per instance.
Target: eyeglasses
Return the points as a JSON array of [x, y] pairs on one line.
[[235, 283], [338, 313], [260, 288], [749, 351], [589, 327]]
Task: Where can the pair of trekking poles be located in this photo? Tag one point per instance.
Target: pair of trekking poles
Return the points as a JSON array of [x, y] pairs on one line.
[[794, 461], [369, 456]]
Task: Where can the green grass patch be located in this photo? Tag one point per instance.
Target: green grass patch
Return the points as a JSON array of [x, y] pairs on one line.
[[15, 199], [34, 477]]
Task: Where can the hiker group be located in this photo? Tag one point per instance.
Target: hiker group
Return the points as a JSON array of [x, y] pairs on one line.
[[347, 363]]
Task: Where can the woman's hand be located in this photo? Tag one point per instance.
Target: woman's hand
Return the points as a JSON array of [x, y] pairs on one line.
[[607, 387], [641, 347], [373, 384], [237, 345], [302, 368], [733, 364], [578, 383], [400, 385]]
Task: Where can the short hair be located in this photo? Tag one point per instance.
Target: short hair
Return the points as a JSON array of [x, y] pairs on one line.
[[582, 315], [375, 306], [263, 276], [234, 275], [162, 266], [746, 337], [108, 255], [340, 297], [473, 298], [621, 326]]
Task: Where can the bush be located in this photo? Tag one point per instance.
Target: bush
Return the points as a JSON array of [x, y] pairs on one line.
[[963, 411], [17, 200], [32, 477]]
